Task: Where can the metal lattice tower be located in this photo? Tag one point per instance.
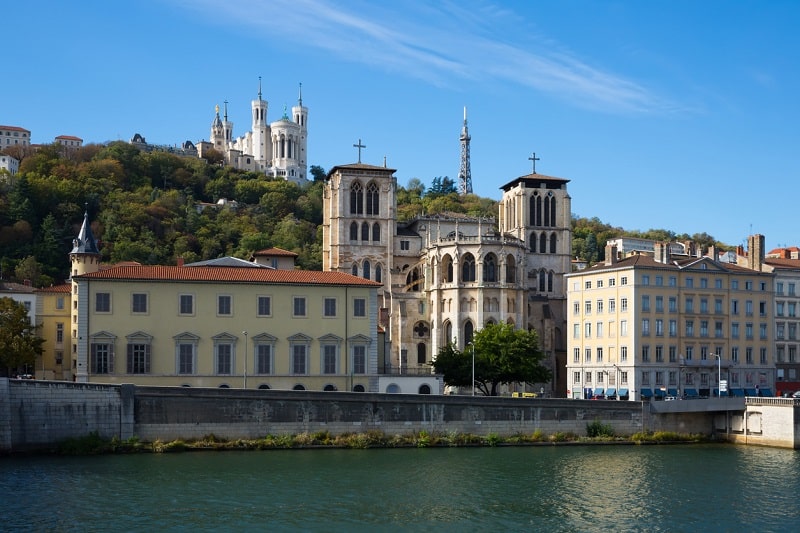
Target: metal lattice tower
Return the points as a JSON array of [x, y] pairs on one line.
[[464, 173]]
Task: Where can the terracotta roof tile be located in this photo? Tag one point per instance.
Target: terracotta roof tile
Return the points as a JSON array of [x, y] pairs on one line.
[[14, 128], [63, 288], [274, 252], [228, 274]]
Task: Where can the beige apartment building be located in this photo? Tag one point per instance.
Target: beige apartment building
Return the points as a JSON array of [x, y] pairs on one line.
[[53, 318], [665, 325]]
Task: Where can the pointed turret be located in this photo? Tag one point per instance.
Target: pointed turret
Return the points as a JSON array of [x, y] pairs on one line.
[[85, 254]]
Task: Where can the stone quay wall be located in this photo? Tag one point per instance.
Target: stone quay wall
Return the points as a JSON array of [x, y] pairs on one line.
[[37, 414]]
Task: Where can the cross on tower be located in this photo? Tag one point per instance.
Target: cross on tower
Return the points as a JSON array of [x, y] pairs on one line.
[[534, 159], [359, 146]]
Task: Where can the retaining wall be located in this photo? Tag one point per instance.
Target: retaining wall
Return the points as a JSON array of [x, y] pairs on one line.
[[37, 414]]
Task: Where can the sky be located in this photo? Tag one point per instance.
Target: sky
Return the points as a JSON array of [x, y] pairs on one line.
[[678, 115]]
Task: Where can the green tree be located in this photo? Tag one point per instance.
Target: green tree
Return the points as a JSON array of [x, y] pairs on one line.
[[318, 173], [19, 344], [503, 355]]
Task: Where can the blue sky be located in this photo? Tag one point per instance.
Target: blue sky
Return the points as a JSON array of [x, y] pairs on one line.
[[677, 114]]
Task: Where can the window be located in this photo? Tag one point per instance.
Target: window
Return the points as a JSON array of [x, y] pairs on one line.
[[735, 284], [139, 303], [779, 309], [576, 377], [599, 328], [612, 305], [689, 283], [364, 231], [762, 357], [329, 358], [576, 331], [599, 306], [645, 303], [762, 309], [102, 302], [645, 354], [645, 280], [659, 304], [186, 304], [623, 354], [659, 281], [735, 330], [599, 283], [60, 303], [576, 308], [60, 332], [329, 307], [102, 358], [576, 355], [299, 306], [717, 283], [623, 328], [588, 307], [718, 329], [673, 304], [224, 305], [299, 359], [468, 268], [791, 289], [673, 354], [372, 198], [359, 359], [748, 330], [734, 307], [623, 303], [748, 355], [659, 327], [264, 305], [762, 331], [690, 328], [623, 280], [263, 352], [223, 356], [588, 285], [599, 355], [138, 358], [689, 353], [404, 245], [703, 283], [704, 305], [718, 306], [673, 281], [354, 231], [779, 288], [611, 282], [186, 353], [748, 308], [587, 355], [704, 328], [748, 285], [689, 305], [645, 326], [359, 307], [356, 198], [587, 330]]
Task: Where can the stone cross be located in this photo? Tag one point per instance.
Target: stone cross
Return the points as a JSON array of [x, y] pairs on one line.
[[359, 146]]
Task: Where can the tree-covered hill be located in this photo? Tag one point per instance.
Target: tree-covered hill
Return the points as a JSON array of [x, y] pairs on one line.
[[153, 207]]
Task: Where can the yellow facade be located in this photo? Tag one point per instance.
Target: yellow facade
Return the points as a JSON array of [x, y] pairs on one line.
[[53, 318], [671, 328], [227, 327]]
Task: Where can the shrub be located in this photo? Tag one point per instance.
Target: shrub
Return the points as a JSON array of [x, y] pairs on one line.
[[598, 429]]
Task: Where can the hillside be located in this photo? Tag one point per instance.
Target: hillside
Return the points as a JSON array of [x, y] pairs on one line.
[[153, 207]]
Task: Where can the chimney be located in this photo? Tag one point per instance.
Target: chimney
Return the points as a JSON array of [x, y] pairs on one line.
[[180, 261], [611, 255], [755, 252], [712, 252], [661, 252]]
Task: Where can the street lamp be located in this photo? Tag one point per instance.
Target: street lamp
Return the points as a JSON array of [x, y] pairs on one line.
[[473, 367], [719, 375], [244, 372]]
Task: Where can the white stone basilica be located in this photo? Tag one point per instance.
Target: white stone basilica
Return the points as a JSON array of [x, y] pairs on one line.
[[445, 276], [277, 149]]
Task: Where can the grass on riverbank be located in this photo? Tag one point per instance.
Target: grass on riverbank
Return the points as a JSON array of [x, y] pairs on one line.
[[93, 444]]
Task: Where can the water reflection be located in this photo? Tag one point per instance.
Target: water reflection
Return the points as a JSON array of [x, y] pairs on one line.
[[571, 488]]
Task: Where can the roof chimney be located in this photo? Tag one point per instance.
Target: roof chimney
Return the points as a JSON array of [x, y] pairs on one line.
[[180, 261], [661, 252], [611, 255]]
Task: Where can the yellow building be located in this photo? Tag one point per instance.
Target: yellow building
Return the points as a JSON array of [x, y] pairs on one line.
[[53, 317], [663, 325], [222, 326]]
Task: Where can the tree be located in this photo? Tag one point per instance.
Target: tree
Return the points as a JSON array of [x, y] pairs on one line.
[[502, 355], [19, 345], [318, 173]]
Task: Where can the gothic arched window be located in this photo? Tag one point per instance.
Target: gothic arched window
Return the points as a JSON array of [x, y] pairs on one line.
[[541, 280], [490, 268], [356, 198], [553, 243], [511, 269], [533, 242], [550, 281], [366, 269], [364, 231], [422, 353], [542, 243], [376, 232], [354, 270], [448, 332], [378, 274], [469, 329], [372, 198], [354, 231], [552, 200], [447, 269], [468, 268]]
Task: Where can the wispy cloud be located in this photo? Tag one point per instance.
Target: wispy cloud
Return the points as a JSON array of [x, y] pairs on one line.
[[446, 44]]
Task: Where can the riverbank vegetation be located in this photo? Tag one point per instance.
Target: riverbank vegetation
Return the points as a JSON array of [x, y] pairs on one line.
[[93, 444]]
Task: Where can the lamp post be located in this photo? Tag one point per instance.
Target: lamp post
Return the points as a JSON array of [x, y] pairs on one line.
[[719, 375], [244, 372], [473, 367]]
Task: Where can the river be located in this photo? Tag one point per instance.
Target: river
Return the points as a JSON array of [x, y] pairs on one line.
[[714, 487]]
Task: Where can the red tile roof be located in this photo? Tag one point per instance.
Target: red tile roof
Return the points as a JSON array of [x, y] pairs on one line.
[[69, 138], [274, 252], [14, 128], [228, 274], [63, 288]]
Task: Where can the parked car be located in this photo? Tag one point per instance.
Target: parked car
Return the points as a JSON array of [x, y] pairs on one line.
[[795, 394]]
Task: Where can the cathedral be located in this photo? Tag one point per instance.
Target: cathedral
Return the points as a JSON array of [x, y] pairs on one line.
[[445, 276], [277, 149]]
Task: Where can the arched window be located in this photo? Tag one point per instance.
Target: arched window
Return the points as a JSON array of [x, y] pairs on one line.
[[534, 241], [376, 232], [547, 210], [468, 268], [298, 387], [532, 210], [542, 243], [354, 231], [550, 281], [553, 243], [538, 209], [372, 198], [511, 269], [355, 269], [364, 231], [422, 355], [490, 268], [424, 389], [413, 280], [356, 198], [330, 388], [263, 386], [378, 273], [366, 269], [552, 200], [447, 269], [358, 388], [447, 333], [469, 329], [541, 281]]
